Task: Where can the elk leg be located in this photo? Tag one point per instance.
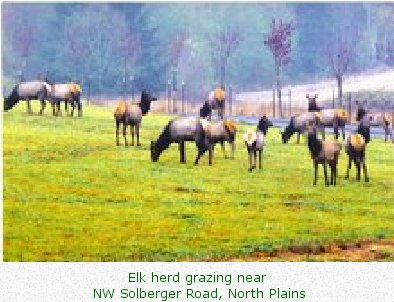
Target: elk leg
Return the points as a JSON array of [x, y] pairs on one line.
[[298, 137], [223, 149], [79, 108], [365, 172], [29, 111], [254, 159], [250, 161], [358, 165], [332, 173], [53, 104], [387, 133], [390, 134], [335, 173], [210, 153], [325, 174], [72, 108], [336, 132], [132, 134], [200, 153], [260, 158], [349, 166], [182, 152], [117, 133], [125, 134], [316, 170], [137, 132], [66, 107], [59, 112], [43, 105]]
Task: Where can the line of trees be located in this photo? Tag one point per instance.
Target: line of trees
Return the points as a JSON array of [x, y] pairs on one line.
[[106, 46]]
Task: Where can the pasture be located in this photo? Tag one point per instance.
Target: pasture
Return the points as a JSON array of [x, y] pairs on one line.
[[71, 195]]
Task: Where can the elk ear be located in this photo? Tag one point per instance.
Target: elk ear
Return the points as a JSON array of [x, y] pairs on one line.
[[307, 96], [316, 95]]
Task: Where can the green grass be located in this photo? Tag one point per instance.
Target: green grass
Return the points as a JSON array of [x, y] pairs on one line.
[[71, 195]]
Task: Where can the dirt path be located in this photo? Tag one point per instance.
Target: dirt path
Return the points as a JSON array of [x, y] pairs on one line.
[[379, 250]]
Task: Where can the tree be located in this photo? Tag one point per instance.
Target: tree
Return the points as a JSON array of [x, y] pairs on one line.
[[93, 39], [384, 46], [222, 44], [20, 36], [129, 48], [340, 53], [347, 45], [77, 47], [175, 49], [278, 40], [176, 46]]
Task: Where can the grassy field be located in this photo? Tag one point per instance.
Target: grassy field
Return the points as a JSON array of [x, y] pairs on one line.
[[71, 195]]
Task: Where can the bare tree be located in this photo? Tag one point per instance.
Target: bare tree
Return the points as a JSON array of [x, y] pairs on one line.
[[176, 46], [384, 46], [21, 36], [223, 43], [77, 46], [175, 50], [93, 38], [129, 47], [340, 51], [278, 40]]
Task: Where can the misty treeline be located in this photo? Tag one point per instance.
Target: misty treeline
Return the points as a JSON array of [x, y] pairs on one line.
[[106, 47]]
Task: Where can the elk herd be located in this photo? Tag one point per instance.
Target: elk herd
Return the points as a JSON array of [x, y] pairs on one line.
[[42, 90], [206, 133]]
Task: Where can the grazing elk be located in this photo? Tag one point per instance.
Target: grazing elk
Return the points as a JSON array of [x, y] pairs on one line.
[[131, 114], [220, 132], [335, 118], [385, 120], [181, 130], [28, 91], [69, 93], [298, 124], [380, 119]]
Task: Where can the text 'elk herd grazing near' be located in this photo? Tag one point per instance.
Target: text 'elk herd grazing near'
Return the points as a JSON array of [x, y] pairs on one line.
[[206, 133]]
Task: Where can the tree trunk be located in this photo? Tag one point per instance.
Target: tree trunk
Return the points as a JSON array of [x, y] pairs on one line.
[[339, 82], [125, 78], [279, 91], [222, 72]]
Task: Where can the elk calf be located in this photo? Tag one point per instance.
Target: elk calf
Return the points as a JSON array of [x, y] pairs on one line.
[[254, 141]]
